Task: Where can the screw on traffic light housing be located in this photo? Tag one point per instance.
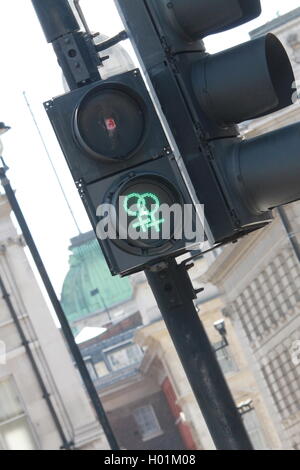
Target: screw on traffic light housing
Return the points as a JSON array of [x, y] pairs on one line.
[[204, 97]]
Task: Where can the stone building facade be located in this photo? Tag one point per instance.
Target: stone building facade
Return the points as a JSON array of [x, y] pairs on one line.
[[161, 361], [136, 405], [136, 369], [260, 278], [27, 422]]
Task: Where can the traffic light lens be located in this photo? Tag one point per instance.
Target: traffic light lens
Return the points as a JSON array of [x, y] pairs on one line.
[[110, 123], [144, 207], [143, 212]]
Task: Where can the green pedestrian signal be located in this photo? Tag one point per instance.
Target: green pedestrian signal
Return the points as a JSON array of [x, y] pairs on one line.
[[145, 208]]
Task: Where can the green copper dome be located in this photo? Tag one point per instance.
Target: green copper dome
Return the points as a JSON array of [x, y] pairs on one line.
[[89, 287]]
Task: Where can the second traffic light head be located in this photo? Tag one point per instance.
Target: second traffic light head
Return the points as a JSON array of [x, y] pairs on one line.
[[261, 173], [183, 24], [196, 19], [244, 82], [269, 169]]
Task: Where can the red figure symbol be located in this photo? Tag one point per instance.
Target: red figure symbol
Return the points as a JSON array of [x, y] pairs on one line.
[[110, 124]]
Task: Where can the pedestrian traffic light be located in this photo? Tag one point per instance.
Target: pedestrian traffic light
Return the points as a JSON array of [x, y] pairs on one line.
[[124, 168], [204, 97], [117, 150], [136, 151]]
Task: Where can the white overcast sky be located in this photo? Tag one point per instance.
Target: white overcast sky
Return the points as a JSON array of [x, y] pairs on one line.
[[27, 63]]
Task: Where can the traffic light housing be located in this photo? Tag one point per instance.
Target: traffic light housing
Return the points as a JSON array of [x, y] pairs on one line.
[[135, 148], [238, 182], [107, 127], [118, 154], [186, 23]]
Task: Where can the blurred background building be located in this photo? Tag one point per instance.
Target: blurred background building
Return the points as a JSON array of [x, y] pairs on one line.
[[134, 364], [42, 402], [259, 278]]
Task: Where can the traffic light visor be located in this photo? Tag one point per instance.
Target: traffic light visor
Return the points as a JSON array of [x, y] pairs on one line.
[[269, 168], [197, 19], [245, 82]]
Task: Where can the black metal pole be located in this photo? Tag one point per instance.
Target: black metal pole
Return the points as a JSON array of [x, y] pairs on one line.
[[75, 50], [56, 18], [174, 294], [90, 387], [46, 395]]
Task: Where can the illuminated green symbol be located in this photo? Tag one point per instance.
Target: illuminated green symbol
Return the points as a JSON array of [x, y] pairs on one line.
[[137, 205]]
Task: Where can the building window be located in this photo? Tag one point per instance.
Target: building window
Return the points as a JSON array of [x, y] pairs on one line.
[[253, 429], [124, 357], [271, 298], [225, 359], [101, 369], [283, 377], [147, 422], [15, 432]]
